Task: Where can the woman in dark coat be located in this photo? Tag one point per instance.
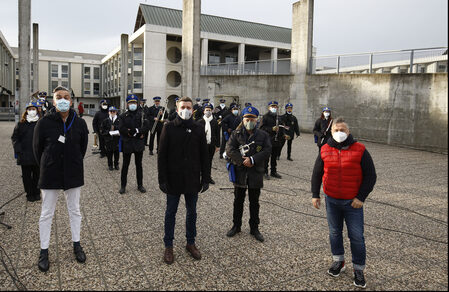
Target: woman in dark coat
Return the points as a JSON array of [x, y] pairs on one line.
[[322, 128], [22, 141]]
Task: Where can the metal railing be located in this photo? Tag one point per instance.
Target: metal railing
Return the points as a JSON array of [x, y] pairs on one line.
[[7, 114], [426, 60], [260, 67]]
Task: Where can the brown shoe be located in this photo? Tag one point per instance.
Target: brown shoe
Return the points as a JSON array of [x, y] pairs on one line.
[[168, 255], [194, 252]]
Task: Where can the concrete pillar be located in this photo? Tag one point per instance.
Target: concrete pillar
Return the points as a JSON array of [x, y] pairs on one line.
[[24, 56], [204, 55], [302, 39], [35, 57], [154, 65], [191, 56], [124, 70], [274, 60], [241, 58]]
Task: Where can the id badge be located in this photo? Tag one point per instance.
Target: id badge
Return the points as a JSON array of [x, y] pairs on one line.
[[61, 139]]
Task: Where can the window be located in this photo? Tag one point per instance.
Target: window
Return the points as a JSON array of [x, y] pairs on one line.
[[32, 70], [137, 73], [65, 84], [86, 105], [54, 70], [64, 71], [91, 105], [86, 72], [86, 87], [137, 85], [214, 58], [138, 53], [96, 73], [96, 88], [138, 62], [54, 84]]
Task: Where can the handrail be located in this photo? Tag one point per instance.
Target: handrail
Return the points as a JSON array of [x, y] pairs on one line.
[[380, 52]]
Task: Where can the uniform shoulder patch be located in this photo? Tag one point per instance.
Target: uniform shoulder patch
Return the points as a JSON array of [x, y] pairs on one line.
[[259, 148]]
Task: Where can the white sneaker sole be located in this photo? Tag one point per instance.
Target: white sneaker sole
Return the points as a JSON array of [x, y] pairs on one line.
[[358, 286], [335, 276]]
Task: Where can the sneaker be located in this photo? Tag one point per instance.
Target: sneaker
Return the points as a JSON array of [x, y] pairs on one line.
[[359, 279], [336, 268]]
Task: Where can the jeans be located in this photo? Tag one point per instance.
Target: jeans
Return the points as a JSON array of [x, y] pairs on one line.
[[170, 218], [337, 212]]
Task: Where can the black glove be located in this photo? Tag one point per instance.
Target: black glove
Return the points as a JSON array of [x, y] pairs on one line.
[[163, 188], [131, 132], [205, 187]]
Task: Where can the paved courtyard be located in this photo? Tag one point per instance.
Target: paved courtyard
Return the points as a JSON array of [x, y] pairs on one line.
[[406, 230]]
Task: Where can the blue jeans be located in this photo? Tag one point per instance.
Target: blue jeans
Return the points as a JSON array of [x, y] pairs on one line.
[[170, 218], [337, 212]]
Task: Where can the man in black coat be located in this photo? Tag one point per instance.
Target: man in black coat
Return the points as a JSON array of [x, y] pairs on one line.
[[172, 114], [99, 117], [156, 115], [291, 128], [59, 145], [248, 148], [229, 124], [323, 127], [183, 168], [132, 127], [212, 133], [270, 124], [109, 129]]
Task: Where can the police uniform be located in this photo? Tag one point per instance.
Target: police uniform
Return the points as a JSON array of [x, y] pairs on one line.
[[99, 117], [322, 129], [290, 121], [197, 108], [229, 124], [153, 113], [172, 114], [145, 108], [251, 178], [132, 127], [109, 129], [45, 104]]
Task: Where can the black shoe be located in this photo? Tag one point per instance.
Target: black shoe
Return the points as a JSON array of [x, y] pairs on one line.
[[151, 152], [234, 230], [102, 155], [43, 263], [212, 182], [117, 168], [359, 279], [266, 176], [336, 268], [122, 190], [141, 189], [221, 156], [276, 175], [79, 254], [110, 167], [289, 158], [257, 235]]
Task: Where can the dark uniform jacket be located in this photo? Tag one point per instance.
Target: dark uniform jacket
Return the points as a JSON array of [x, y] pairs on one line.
[[98, 119], [319, 130], [106, 126], [215, 131], [230, 122], [61, 164], [22, 141], [267, 124], [221, 113], [251, 177], [172, 114], [129, 121], [183, 160], [152, 114], [292, 122], [197, 112]]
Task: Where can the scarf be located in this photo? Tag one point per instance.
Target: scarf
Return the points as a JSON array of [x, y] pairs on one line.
[[207, 128], [31, 120]]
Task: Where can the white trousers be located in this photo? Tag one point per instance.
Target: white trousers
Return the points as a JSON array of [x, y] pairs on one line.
[[49, 200]]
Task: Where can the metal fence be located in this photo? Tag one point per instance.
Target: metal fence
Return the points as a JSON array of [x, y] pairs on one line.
[[7, 114], [261, 67], [427, 60]]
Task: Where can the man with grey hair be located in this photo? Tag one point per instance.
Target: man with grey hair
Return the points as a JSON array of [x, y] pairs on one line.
[[348, 172], [59, 145]]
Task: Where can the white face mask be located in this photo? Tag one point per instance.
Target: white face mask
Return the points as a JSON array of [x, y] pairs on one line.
[[185, 114], [339, 136], [104, 106], [32, 113], [235, 112], [273, 110], [132, 107], [222, 105], [208, 114], [112, 116], [327, 114]]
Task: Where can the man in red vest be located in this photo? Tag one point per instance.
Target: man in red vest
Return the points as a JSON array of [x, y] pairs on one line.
[[347, 171]]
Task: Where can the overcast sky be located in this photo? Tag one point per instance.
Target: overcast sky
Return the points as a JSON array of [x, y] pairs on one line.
[[340, 26]]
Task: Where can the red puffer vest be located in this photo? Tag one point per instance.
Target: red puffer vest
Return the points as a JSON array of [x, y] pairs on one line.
[[342, 171]]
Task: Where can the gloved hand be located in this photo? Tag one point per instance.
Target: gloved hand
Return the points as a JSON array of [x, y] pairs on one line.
[[205, 187], [131, 132], [163, 188]]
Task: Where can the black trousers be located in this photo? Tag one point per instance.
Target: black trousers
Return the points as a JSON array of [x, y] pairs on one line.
[[239, 200], [275, 152], [157, 132], [289, 147], [139, 171], [114, 154], [223, 144], [30, 178], [211, 149], [102, 144]]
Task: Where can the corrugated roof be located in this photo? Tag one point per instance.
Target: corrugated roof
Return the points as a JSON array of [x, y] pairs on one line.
[[215, 24]]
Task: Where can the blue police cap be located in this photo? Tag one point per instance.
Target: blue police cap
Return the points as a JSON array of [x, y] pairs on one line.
[[176, 98], [157, 98], [112, 108], [273, 103], [250, 111], [198, 99], [206, 100], [208, 105], [288, 105], [40, 102], [31, 104], [326, 109], [222, 100], [103, 101], [42, 93], [144, 99], [233, 105], [132, 97], [247, 104]]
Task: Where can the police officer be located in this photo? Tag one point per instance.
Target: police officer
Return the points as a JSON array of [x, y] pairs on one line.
[[109, 129], [155, 116], [323, 127], [46, 105], [172, 114], [143, 105], [212, 131], [99, 117], [249, 169], [220, 111], [270, 124], [197, 108], [291, 128], [230, 123], [132, 127]]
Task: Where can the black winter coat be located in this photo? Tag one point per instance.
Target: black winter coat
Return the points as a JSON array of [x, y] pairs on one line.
[[221, 113], [215, 131], [172, 114], [22, 141], [152, 113], [230, 122], [61, 164], [183, 161], [129, 122], [249, 177], [292, 122], [319, 130], [197, 112], [110, 141], [98, 119], [267, 124]]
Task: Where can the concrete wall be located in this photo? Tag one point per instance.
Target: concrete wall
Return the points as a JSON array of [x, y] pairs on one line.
[[76, 79], [398, 109], [154, 65]]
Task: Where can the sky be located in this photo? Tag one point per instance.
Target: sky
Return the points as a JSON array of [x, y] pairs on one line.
[[340, 26]]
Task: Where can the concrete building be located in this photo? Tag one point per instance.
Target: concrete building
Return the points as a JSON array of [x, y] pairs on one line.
[[7, 79]]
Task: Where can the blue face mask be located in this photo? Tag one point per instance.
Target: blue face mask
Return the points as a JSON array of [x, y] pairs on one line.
[[132, 107], [62, 105]]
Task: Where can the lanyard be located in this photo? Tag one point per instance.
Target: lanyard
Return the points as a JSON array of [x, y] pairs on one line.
[[67, 129]]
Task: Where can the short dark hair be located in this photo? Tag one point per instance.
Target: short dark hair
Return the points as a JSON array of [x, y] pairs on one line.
[[185, 99]]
